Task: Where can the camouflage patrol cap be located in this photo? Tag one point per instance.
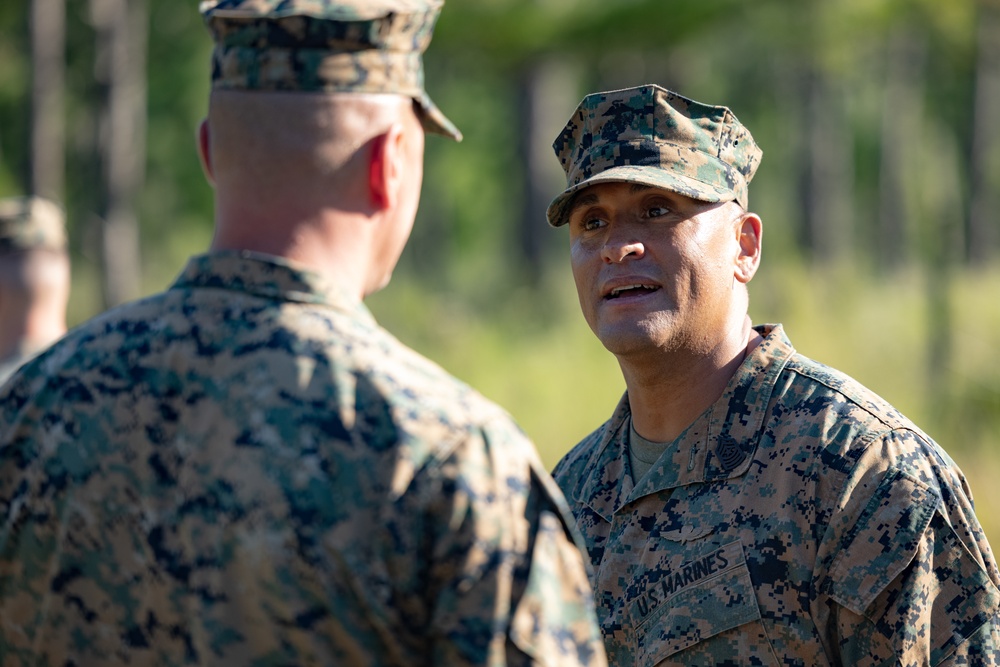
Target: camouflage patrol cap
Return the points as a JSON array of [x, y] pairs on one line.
[[653, 136], [359, 46], [31, 223]]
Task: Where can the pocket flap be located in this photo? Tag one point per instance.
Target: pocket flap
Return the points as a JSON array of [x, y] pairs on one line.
[[709, 595], [883, 541]]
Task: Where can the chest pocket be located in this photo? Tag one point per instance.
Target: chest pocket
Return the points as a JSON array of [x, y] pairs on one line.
[[704, 612]]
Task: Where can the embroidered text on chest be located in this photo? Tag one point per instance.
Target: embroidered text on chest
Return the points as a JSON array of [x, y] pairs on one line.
[[690, 574]]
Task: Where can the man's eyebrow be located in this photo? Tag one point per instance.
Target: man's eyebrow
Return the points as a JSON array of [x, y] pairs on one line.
[[581, 199], [587, 197]]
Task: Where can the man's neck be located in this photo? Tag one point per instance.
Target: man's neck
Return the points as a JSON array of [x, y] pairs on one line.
[[666, 396], [339, 250]]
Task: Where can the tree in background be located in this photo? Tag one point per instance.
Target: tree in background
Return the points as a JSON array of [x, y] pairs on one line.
[[120, 72], [985, 178], [48, 116]]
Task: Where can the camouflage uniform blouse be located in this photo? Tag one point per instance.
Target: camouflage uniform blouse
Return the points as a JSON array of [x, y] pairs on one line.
[[800, 520], [244, 470]]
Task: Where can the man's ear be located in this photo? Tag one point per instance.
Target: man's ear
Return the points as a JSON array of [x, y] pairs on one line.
[[385, 167], [205, 152], [749, 231]]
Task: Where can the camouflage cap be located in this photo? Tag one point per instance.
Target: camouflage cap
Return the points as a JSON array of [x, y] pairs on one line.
[[30, 223], [360, 46], [653, 136]]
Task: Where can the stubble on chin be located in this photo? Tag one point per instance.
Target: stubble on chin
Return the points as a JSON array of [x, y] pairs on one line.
[[654, 332]]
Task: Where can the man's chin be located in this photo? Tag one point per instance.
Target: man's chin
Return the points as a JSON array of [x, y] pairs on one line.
[[635, 336], [626, 343]]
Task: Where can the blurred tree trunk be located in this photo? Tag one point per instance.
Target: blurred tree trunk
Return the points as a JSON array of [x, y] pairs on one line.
[[985, 195], [48, 74], [828, 173], [902, 111], [940, 204], [122, 33], [548, 97]]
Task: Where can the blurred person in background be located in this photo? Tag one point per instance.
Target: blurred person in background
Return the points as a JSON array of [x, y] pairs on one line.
[[246, 469], [34, 279], [743, 505]]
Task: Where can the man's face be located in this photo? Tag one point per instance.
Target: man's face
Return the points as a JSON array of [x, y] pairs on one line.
[[654, 270]]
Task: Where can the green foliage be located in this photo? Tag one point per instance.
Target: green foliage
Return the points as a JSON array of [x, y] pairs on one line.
[[516, 31], [14, 82], [463, 227]]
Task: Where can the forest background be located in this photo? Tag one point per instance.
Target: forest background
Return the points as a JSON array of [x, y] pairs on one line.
[[879, 186]]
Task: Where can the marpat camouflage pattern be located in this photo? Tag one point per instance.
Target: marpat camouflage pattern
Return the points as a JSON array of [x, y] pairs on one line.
[[655, 137], [247, 470], [322, 46], [801, 520]]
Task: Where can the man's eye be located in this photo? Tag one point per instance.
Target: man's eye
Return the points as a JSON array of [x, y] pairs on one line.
[[657, 211], [590, 224]]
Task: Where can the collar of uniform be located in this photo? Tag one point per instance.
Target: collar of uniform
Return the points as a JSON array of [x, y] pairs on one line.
[[719, 444], [606, 485], [734, 421], [266, 276]]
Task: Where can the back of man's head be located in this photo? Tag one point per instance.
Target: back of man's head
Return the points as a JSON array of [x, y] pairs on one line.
[[315, 125], [295, 152], [299, 87]]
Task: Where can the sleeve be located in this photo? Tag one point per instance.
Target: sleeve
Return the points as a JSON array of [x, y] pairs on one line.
[[905, 587], [508, 583]]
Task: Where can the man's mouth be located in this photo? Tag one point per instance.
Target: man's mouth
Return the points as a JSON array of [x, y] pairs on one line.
[[631, 290]]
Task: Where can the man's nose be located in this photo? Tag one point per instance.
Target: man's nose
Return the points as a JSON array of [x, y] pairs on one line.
[[617, 250]]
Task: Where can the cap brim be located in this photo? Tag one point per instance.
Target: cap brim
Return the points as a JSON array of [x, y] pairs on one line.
[[435, 121], [557, 211]]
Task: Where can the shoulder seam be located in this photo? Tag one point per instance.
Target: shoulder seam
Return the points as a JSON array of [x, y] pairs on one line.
[[899, 422]]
